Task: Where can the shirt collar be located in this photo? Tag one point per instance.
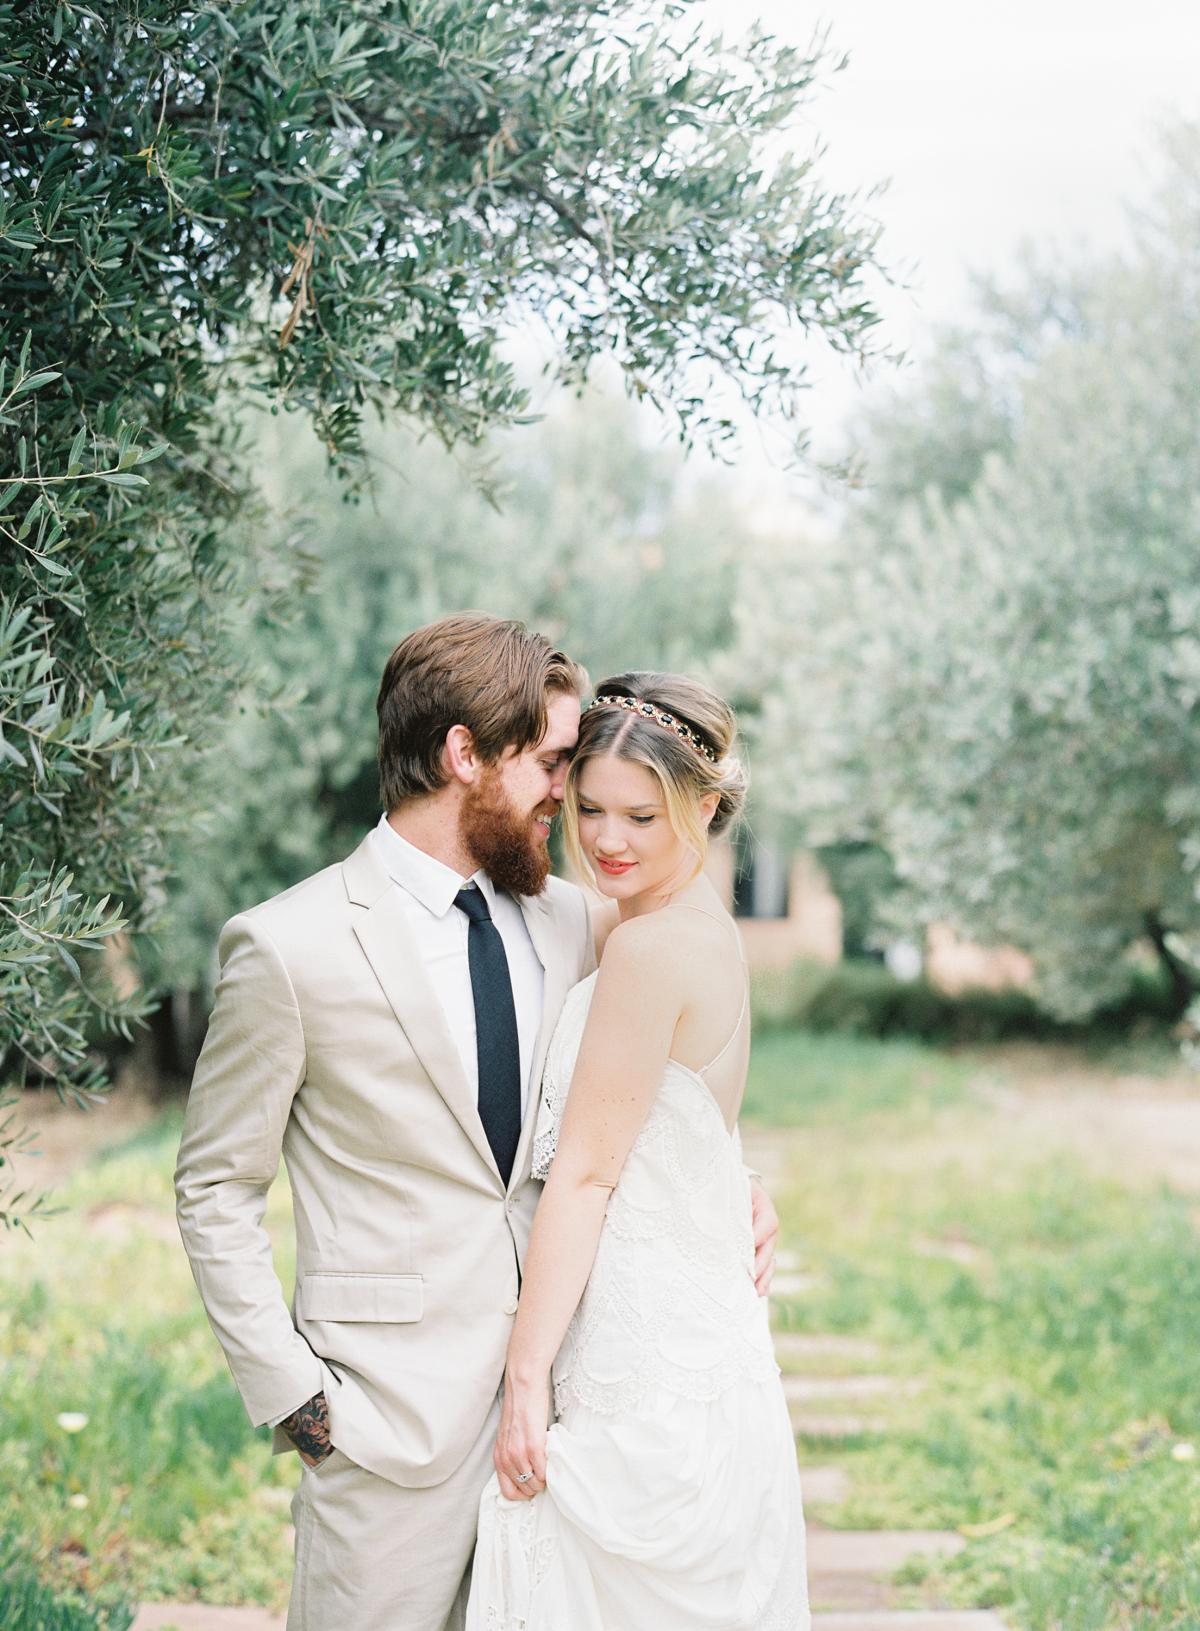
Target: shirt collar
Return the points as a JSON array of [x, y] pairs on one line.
[[427, 879]]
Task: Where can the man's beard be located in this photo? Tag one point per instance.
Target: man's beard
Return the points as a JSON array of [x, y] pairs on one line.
[[500, 838]]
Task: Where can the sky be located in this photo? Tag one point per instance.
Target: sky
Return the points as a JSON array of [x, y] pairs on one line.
[[991, 125]]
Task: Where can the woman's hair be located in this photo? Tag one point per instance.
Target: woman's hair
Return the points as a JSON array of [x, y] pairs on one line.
[[684, 773], [491, 674]]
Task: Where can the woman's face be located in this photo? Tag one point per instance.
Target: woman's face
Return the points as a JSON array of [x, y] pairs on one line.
[[625, 832]]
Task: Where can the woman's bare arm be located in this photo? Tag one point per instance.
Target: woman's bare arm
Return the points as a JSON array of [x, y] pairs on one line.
[[630, 1028]]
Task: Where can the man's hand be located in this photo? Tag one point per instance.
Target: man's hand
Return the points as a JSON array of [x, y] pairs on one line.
[[766, 1233], [308, 1429]]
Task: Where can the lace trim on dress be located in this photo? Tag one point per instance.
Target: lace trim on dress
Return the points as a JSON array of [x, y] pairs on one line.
[[623, 1397], [556, 1076], [532, 1554]]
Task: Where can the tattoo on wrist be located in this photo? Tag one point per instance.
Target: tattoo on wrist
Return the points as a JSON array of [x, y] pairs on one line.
[[308, 1429]]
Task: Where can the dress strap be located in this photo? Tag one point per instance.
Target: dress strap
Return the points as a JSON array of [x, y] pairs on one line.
[[737, 939], [733, 1035]]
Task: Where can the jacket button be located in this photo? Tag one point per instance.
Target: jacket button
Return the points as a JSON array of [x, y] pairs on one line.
[[510, 1306]]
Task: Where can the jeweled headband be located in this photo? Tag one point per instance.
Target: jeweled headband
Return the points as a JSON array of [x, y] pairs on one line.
[[660, 716]]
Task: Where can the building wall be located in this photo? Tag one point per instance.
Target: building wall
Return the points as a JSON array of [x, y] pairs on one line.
[[955, 964], [813, 929], [813, 926]]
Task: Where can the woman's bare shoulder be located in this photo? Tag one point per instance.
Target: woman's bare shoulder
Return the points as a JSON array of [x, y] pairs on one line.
[[643, 944], [605, 917], [671, 935]]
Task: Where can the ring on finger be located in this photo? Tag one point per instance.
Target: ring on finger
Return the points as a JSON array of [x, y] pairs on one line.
[[523, 1477]]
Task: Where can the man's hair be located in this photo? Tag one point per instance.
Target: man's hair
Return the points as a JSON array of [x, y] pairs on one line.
[[490, 674]]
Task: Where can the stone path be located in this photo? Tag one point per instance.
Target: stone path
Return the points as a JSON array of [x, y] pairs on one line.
[[833, 1384]]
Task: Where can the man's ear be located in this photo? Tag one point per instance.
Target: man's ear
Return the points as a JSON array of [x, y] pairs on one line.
[[460, 757]]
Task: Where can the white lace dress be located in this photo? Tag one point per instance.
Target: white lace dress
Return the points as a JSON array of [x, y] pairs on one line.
[[672, 1499]]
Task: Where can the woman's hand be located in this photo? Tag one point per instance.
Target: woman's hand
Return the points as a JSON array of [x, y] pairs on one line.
[[521, 1439], [765, 1222]]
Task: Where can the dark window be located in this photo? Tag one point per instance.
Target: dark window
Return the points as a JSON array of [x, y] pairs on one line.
[[760, 879]]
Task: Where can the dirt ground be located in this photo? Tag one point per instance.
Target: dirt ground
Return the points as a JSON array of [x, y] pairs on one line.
[[1131, 1124], [64, 1138]]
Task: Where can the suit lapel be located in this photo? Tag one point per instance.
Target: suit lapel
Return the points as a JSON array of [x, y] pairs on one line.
[[539, 920], [389, 947]]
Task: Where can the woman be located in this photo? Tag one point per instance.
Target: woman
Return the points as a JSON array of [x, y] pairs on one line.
[[665, 1496]]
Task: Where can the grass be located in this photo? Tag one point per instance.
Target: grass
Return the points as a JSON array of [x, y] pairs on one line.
[[1051, 1310], [165, 1490], [1052, 1313], [800, 1079], [26, 1604]]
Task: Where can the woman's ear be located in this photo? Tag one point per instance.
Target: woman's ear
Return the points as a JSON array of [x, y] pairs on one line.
[[708, 807]]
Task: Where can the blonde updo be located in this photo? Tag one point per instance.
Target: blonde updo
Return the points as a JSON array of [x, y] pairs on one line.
[[684, 774]]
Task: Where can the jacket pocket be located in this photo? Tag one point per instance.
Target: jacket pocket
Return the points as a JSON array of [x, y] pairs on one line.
[[392, 1299]]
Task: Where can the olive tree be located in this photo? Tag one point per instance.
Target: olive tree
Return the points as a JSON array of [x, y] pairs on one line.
[[331, 208], [993, 670]]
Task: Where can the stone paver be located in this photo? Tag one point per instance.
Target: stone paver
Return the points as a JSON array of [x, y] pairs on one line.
[[830, 1423], [203, 1617], [850, 1593], [876, 1551], [806, 1389], [805, 1347], [824, 1486], [932, 1619], [851, 1570]]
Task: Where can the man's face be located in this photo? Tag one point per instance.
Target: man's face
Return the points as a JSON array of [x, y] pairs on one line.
[[506, 816]]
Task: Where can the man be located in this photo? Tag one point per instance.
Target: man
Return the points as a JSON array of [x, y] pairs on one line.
[[383, 1026]]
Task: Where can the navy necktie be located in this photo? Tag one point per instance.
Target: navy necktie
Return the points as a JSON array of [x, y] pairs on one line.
[[496, 1045]]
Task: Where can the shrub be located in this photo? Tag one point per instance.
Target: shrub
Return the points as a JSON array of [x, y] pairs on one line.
[[864, 999]]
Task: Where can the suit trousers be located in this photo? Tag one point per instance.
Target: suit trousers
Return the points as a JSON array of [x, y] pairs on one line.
[[373, 1556]]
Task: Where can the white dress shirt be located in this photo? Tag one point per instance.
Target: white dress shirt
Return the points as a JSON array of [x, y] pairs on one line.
[[428, 887]]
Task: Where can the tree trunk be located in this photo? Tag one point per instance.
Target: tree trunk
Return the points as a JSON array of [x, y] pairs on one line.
[[1184, 980]]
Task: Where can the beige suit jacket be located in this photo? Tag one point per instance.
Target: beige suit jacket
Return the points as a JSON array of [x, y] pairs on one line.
[[327, 1045]]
